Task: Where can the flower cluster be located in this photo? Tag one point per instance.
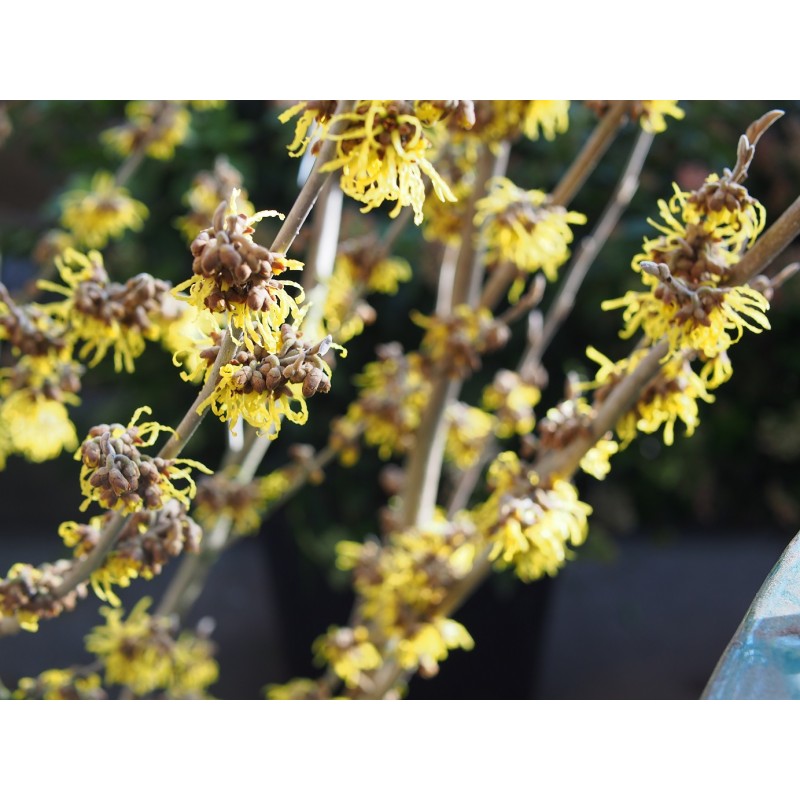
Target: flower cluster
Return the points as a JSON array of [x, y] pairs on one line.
[[103, 211], [148, 541], [208, 190], [359, 270], [507, 120], [30, 593], [233, 274], [154, 127], [218, 496], [512, 400], [401, 587], [453, 344], [530, 525], [468, 431], [144, 654], [33, 392], [263, 386], [671, 396], [61, 684], [105, 315], [525, 229], [393, 391], [380, 148], [115, 473], [651, 114], [691, 299]]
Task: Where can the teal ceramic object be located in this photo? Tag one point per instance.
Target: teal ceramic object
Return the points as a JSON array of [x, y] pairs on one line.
[[762, 661]]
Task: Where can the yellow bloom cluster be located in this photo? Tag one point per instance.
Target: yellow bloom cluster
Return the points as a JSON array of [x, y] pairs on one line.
[[525, 229], [60, 684], [115, 474], [235, 276], [392, 394], [354, 275], [687, 268], [32, 424], [349, 652], [499, 120], [158, 127], [143, 654], [671, 396], [381, 152], [468, 431], [402, 584], [102, 212], [208, 190], [148, 541], [453, 343], [220, 496], [653, 114], [530, 526], [512, 400]]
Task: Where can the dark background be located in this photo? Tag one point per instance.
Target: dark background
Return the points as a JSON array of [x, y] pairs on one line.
[[680, 539]]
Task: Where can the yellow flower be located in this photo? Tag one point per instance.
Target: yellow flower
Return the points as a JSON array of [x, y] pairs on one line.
[[115, 474], [468, 431], [105, 315], [381, 153], [208, 190], [36, 427], [431, 643], [354, 275], [530, 527], [512, 400], [671, 396], [525, 229], [499, 120], [158, 127], [686, 269], [104, 211], [392, 394], [549, 116], [654, 113], [60, 684], [142, 654], [700, 320], [596, 461], [234, 275], [349, 652]]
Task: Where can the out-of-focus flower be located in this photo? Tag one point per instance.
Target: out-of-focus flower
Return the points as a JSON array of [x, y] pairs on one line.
[[143, 653], [104, 211], [157, 127]]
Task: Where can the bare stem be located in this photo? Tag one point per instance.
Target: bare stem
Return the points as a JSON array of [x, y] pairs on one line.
[[768, 246], [590, 247], [424, 464]]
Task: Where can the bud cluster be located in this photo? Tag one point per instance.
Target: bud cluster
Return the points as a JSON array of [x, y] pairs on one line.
[[118, 474], [28, 593], [242, 271], [149, 540]]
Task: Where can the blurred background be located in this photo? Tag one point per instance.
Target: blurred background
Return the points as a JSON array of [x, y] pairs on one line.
[[680, 538]]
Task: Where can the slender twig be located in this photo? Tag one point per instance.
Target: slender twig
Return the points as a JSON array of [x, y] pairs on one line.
[[768, 246], [424, 464], [591, 245]]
